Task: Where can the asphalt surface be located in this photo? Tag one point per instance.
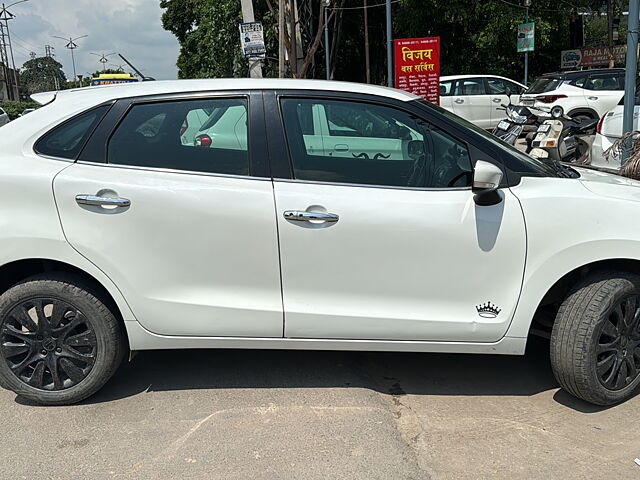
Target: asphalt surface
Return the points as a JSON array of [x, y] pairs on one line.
[[248, 414]]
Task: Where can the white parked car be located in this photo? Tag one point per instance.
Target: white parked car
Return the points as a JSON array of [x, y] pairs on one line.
[[584, 94], [609, 130], [118, 236], [479, 98]]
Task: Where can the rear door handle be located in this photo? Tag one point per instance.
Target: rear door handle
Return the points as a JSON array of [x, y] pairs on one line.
[[102, 201], [497, 100], [593, 98], [459, 100], [300, 216]]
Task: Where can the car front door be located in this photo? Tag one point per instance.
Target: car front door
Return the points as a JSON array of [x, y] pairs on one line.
[[391, 249], [186, 232], [471, 101], [603, 91]]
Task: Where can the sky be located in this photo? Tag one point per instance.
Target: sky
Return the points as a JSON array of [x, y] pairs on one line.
[[130, 27]]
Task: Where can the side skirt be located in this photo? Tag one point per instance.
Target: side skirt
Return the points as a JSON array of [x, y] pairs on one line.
[[142, 339]]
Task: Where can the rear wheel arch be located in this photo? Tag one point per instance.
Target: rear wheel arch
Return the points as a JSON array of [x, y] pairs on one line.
[[17, 271]]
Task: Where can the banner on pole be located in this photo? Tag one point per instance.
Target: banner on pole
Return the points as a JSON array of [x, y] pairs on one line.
[[252, 40], [417, 67], [526, 37]]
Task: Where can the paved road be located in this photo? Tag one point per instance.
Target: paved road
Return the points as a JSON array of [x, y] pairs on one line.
[[320, 415]]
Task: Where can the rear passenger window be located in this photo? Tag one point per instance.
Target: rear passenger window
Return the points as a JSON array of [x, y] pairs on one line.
[[470, 86], [207, 136], [67, 140]]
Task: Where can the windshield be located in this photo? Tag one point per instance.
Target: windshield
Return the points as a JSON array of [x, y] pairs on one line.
[[544, 84], [535, 164]]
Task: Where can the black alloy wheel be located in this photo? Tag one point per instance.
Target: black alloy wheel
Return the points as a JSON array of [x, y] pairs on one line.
[[48, 343], [618, 351]]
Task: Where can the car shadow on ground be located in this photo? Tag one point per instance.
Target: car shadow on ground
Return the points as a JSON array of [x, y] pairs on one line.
[[385, 372]]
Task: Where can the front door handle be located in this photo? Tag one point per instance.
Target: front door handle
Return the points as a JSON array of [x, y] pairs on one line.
[[497, 100], [593, 98], [300, 216], [459, 100], [102, 201]]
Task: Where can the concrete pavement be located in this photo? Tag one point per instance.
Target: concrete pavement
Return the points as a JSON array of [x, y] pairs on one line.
[[317, 415]]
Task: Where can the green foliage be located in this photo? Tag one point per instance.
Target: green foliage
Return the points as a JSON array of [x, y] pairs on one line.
[[42, 74], [478, 36], [14, 109]]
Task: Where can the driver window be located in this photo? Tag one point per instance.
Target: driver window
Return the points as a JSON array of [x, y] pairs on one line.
[[368, 144]]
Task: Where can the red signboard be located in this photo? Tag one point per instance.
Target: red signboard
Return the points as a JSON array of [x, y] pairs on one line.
[[417, 67]]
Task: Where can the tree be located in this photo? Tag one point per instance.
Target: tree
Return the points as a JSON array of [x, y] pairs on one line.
[[42, 74], [478, 36]]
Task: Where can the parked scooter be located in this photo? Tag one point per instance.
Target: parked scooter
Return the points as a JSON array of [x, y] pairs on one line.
[[520, 120], [564, 139]]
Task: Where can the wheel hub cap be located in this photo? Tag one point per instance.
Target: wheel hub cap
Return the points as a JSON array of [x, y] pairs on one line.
[[48, 343], [618, 349]]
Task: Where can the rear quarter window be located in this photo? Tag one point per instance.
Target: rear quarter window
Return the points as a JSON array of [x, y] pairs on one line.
[[66, 140]]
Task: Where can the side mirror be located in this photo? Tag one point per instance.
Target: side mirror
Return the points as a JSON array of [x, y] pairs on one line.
[[486, 180]]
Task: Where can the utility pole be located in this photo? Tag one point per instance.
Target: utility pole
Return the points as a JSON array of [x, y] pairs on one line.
[[4, 59], [255, 64], [281, 34], [6, 15], [610, 31], [390, 78], [48, 51], [327, 52], [632, 66], [72, 46], [527, 3], [367, 64]]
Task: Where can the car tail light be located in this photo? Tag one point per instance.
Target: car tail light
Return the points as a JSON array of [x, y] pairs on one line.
[[203, 141], [549, 98], [185, 126], [599, 128]]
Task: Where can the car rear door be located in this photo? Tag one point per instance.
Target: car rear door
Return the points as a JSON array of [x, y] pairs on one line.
[[390, 249], [186, 232], [471, 101]]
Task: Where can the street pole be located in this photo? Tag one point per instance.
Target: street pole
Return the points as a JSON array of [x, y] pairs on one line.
[[72, 45], [367, 63], [632, 66], [281, 38], [327, 53], [6, 16], [389, 45], [255, 64], [526, 54]]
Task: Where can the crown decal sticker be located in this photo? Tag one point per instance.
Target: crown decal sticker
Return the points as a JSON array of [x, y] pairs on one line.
[[488, 310]]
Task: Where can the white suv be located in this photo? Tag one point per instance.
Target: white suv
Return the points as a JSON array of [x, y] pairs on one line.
[[581, 94], [116, 235]]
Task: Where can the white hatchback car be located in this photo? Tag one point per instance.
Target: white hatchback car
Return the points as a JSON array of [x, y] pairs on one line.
[[479, 98], [116, 235]]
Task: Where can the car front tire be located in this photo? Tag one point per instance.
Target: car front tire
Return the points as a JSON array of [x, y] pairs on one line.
[[59, 342], [595, 342]]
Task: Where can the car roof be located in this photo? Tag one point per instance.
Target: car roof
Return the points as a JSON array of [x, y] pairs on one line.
[[573, 74], [98, 94], [462, 77]]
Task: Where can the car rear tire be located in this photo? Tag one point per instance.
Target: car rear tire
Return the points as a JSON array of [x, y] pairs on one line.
[[59, 342], [595, 342]]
